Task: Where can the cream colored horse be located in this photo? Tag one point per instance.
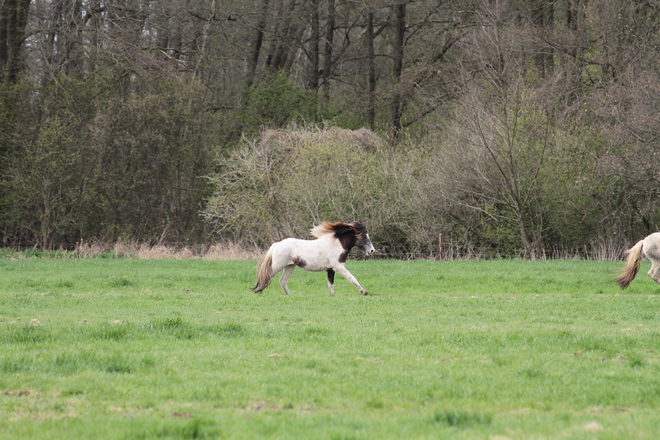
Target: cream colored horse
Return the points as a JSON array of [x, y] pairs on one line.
[[327, 253], [650, 247]]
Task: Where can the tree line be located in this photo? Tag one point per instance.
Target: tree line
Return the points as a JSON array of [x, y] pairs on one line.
[[518, 127]]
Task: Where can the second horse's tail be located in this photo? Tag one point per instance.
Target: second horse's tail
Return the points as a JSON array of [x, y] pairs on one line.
[[264, 272], [629, 272]]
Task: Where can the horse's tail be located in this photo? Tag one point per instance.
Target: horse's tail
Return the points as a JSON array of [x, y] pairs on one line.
[[264, 272], [629, 272]]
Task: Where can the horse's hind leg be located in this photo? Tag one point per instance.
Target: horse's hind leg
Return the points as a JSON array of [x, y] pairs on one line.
[[286, 274], [654, 273]]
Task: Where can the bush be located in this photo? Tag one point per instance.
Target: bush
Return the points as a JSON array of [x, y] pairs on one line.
[[292, 179]]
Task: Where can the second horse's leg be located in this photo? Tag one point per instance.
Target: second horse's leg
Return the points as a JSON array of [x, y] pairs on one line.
[[654, 273], [286, 274]]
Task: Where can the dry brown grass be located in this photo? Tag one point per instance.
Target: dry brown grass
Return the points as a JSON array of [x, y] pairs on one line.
[[141, 251], [216, 252], [91, 250], [231, 251]]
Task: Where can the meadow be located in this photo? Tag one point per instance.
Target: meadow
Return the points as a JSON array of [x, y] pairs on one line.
[[109, 348]]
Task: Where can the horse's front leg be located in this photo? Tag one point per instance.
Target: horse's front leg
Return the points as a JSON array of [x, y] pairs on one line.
[[286, 274], [349, 276], [331, 281]]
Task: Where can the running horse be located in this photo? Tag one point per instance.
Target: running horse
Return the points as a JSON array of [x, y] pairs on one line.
[[650, 247], [327, 253]]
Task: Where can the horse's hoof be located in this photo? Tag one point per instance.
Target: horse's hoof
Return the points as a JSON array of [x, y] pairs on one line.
[[366, 294]]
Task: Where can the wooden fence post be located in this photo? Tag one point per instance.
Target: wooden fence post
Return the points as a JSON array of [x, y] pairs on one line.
[[440, 246]]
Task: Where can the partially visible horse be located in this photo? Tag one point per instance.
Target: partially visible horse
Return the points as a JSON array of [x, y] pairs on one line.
[[650, 247], [328, 252]]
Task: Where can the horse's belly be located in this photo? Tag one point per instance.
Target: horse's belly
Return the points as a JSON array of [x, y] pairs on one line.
[[314, 267], [310, 262]]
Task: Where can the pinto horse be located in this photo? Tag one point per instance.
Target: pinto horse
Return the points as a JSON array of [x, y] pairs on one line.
[[650, 247], [328, 252]]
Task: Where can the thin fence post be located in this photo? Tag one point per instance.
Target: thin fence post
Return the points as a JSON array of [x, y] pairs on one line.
[[440, 246]]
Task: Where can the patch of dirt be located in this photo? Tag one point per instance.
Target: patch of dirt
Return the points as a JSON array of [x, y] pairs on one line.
[[183, 415], [20, 393], [592, 427], [373, 361], [260, 406]]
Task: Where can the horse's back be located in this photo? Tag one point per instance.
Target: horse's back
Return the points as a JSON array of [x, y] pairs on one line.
[[652, 246], [653, 238], [290, 247], [285, 246]]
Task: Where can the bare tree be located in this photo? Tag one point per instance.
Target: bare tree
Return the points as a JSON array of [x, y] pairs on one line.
[[503, 136], [371, 81], [327, 52]]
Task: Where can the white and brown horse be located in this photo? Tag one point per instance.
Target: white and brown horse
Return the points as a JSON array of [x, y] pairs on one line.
[[650, 246], [327, 253]]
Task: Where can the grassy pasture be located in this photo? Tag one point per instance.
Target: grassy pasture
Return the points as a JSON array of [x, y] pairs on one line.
[[506, 349]]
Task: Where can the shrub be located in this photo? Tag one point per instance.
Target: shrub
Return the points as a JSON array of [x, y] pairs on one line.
[[289, 180]]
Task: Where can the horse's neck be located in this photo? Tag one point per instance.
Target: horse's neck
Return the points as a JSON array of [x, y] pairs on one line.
[[328, 241]]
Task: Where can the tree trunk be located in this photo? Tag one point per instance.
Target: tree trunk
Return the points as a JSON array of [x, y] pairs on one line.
[[13, 20], [396, 107], [575, 22], [371, 59], [313, 72], [256, 45], [201, 52], [543, 17], [286, 32], [529, 244], [327, 54]]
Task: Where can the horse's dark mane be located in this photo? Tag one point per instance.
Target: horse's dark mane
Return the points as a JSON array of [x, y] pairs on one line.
[[347, 234], [339, 228]]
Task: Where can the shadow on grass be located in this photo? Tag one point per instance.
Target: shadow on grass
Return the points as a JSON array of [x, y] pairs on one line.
[[461, 419]]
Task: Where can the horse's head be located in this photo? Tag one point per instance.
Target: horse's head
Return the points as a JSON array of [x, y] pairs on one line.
[[362, 239]]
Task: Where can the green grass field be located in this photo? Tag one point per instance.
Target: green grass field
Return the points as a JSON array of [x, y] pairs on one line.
[[503, 349]]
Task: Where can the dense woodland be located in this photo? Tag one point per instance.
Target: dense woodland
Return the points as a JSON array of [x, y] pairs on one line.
[[519, 127]]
